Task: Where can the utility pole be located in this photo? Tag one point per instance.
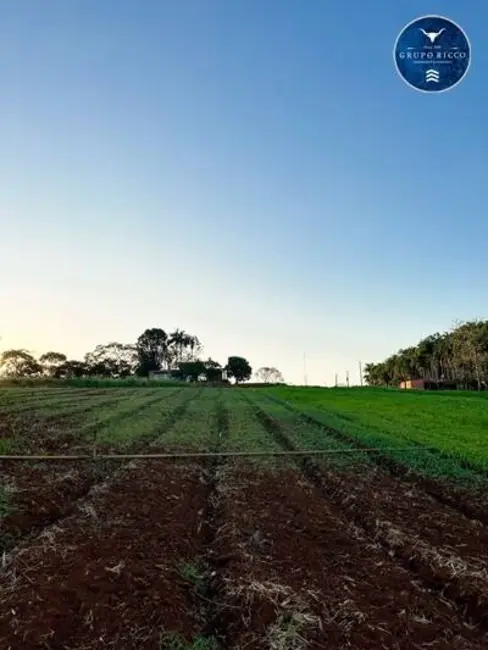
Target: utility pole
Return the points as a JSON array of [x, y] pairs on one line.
[[305, 378], [361, 373], [347, 378], [335, 384]]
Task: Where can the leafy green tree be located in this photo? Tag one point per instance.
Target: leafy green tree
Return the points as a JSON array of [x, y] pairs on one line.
[[182, 347], [177, 342], [152, 351], [19, 363], [194, 349], [101, 369], [238, 368], [213, 370], [191, 369], [113, 359], [50, 361], [458, 357], [71, 369]]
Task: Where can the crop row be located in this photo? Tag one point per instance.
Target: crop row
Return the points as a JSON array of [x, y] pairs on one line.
[[422, 458], [453, 423], [33, 495], [437, 543]]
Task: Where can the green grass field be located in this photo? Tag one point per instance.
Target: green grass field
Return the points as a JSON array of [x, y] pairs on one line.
[[456, 424]]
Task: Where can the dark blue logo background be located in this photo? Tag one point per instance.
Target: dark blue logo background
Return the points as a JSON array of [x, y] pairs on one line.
[[432, 54]]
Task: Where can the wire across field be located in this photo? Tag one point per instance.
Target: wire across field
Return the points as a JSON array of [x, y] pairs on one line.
[[203, 518], [200, 454]]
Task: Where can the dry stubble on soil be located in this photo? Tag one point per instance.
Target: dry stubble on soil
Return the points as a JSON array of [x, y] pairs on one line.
[[218, 554], [439, 543]]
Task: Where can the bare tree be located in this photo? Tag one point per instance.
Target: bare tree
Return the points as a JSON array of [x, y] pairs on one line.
[[269, 375]]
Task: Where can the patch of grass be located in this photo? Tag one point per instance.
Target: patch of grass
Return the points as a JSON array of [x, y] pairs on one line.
[[456, 424], [6, 446], [6, 505], [115, 417], [246, 433], [142, 417], [14, 393], [196, 430], [286, 633], [75, 402], [193, 574], [174, 641], [306, 435]]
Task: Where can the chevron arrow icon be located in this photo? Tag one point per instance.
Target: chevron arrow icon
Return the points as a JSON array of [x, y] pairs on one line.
[[432, 76]]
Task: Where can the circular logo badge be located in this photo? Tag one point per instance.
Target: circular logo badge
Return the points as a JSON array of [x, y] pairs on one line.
[[432, 54]]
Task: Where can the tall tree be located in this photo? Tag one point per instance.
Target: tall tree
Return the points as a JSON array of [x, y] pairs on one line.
[[181, 347], [190, 369], [152, 351], [239, 369], [19, 363], [459, 357], [50, 361], [213, 370], [194, 349], [71, 369], [113, 359]]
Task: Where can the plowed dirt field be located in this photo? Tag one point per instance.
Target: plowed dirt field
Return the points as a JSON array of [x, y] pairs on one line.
[[218, 552]]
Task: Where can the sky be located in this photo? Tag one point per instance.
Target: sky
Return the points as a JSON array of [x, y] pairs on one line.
[[254, 172]]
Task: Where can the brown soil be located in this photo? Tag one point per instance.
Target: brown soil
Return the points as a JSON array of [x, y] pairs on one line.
[[284, 566], [288, 562], [408, 507], [39, 494], [107, 576], [469, 501], [28, 430], [439, 544], [444, 548]]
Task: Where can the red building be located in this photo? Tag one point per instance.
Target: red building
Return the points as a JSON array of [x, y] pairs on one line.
[[416, 384]]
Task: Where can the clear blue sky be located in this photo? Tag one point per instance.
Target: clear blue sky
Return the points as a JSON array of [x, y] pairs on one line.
[[253, 171]]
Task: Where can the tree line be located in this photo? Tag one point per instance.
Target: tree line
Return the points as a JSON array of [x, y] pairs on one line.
[[177, 352], [458, 358]]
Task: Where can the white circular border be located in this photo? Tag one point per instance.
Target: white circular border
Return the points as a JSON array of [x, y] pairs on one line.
[[421, 90]]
